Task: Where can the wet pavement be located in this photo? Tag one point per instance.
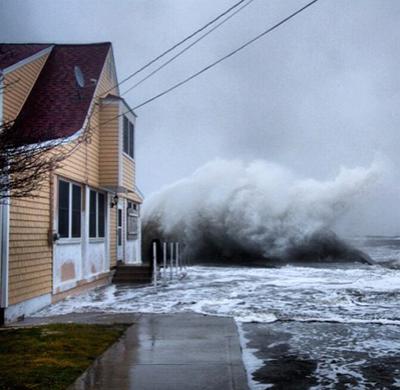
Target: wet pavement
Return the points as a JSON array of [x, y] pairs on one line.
[[312, 355], [169, 352], [330, 327]]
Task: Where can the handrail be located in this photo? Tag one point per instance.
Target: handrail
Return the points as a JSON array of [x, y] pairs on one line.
[[177, 266]]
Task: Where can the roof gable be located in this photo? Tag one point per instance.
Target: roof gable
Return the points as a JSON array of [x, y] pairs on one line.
[[56, 108], [11, 53]]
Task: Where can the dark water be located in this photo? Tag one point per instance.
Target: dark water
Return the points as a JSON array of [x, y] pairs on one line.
[[304, 326], [324, 354]]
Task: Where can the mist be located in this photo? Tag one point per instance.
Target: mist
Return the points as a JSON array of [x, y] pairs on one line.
[[228, 209], [320, 92]]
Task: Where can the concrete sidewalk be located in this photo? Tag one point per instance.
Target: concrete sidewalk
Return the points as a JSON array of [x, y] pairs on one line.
[[169, 352]]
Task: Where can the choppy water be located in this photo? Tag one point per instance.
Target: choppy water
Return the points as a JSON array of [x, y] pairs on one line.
[[292, 300], [353, 294]]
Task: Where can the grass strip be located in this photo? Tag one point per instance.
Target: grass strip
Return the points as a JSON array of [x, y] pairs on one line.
[[51, 356]]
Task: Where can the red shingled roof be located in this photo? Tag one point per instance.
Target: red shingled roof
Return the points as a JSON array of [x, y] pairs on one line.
[[11, 53], [56, 107]]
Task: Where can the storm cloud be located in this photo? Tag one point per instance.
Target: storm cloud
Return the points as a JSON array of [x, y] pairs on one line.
[[320, 92]]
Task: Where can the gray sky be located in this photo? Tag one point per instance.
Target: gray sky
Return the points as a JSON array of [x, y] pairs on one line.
[[320, 92]]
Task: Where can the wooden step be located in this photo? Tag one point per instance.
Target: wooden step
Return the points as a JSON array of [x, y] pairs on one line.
[[135, 274]]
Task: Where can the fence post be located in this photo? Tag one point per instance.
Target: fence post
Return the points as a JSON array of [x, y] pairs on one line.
[[182, 260], [178, 260], [165, 262], [154, 265], [171, 260], [175, 260]]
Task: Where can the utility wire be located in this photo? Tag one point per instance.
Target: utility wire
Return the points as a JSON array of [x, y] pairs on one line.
[[164, 64], [176, 45], [177, 85]]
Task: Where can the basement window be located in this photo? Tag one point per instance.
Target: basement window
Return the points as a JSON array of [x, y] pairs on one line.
[[129, 138], [96, 214], [69, 209]]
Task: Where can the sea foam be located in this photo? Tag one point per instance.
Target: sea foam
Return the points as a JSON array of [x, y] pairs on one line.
[[236, 210]]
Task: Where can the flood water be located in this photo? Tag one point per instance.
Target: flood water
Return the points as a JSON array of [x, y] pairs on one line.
[[309, 326]]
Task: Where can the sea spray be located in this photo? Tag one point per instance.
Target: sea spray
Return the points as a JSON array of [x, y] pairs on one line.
[[235, 210]]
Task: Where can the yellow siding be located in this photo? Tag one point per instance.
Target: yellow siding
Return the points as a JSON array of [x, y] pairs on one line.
[[30, 261], [18, 85], [134, 197], [109, 146], [113, 236], [30, 265], [83, 165], [128, 173]]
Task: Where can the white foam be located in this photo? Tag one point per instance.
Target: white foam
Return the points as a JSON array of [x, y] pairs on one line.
[[259, 208], [251, 362], [369, 294], [360, 295]]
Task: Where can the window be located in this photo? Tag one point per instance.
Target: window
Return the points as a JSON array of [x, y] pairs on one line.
[[93, 214], [97, 206], [76, 211], [119, 229], [129, 138], [69, 209], [101, 214], [132, 221], [63, 209]]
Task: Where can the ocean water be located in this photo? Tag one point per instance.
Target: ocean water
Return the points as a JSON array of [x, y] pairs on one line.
[[340, 292], [334, 318]]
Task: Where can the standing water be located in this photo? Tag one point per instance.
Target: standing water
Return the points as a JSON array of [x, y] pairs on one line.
[[313, 326]]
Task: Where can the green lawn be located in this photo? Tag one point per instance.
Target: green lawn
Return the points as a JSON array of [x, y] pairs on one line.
[[51, 356]]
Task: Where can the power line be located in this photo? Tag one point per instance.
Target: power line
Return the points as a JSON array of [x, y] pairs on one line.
[[164, 64], [176, 45], [177, 85]]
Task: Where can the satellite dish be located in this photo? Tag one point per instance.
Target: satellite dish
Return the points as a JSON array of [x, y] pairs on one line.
[[80, 80]]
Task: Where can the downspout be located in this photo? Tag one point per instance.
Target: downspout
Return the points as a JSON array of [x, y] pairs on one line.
[[5, 218], [4, 231]]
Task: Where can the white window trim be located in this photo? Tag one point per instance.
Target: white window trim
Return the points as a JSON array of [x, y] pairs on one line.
[[69, 239], [128, 156], [97, 238], [135, 212], [123, 138]]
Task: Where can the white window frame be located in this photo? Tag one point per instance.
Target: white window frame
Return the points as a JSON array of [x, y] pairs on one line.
[[98, 238], [70, 183], [135, 213], [131, 140]]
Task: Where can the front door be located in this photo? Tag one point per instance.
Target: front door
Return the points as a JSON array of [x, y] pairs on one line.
[[119, 232]]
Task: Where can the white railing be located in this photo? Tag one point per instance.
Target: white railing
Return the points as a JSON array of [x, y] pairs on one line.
[[172, 266]]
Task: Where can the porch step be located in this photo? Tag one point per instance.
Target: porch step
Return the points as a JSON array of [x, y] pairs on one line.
[[135, 274]]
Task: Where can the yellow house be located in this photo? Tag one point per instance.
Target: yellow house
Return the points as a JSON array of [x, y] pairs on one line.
[[86, 216]]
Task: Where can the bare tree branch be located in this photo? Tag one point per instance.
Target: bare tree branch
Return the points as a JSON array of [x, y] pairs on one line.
[[24, 167]]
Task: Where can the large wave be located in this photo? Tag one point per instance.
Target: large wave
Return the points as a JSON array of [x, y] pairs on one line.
[[259, 210]]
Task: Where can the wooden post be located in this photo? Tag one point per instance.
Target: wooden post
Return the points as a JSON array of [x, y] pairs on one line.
[[155, 265], [165, 263], [171, 260], [178, 260]]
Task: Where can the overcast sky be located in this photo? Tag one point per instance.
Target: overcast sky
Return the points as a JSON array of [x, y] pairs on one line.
[[319, 92]]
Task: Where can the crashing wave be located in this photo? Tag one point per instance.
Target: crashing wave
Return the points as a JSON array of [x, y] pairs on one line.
[[260, 210]]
